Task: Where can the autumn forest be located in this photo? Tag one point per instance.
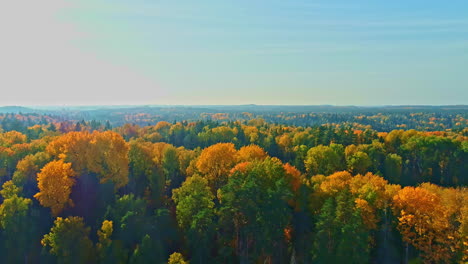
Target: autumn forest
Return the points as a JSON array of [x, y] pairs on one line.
[[242, 184]]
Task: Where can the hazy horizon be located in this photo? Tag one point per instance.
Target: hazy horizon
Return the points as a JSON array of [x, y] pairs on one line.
[[58, 106]]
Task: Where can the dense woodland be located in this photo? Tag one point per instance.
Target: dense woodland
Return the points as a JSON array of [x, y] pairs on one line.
[[234, 187]]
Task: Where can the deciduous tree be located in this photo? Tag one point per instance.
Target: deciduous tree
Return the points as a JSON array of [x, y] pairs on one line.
[[55, 182]]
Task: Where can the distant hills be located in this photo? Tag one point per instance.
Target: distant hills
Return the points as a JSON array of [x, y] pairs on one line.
[[16, 109], [235, 108]]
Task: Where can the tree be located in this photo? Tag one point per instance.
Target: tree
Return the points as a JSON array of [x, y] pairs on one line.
[[11, 138], [26, 172], [145, 252], [393, 167], [195, 214], [215, 162], [106, 249], [254, 206], [15, 220], [423, 223], [324, 160], [341, 234], [143, 168], [28, 167], [170, 165], [251, 153], [55, 182], [359, 162], [128, 215], [104, 154], [100, 160], [69, 241], [324, 244], [176, 258], [353, 242]]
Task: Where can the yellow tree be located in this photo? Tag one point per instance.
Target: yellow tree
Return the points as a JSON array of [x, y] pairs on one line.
[[102, 153], [423, 223], [454, 202], [215, 162], [251, 153], [111, 160], [176, 258], [55, 182], [73, 147], [11, 138], [335, 182]]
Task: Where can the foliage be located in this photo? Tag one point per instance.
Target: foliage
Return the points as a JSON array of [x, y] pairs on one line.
[[55, 183], [69, 241]]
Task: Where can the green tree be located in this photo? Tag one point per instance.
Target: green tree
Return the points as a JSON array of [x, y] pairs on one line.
[[170, 165], [128, 215], [195, 213], [69, 241], [16, 223], [324, 159], [393, 168], [109, 251], [324, 243], [146, 252], [341, 234], [359, 162], [255, 210]]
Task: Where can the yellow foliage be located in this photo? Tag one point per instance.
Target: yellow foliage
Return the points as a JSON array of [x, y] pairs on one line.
[[423, 222], [368, 213], [368, 186], [102, 153], [216, 161], [55, 182], [335, 182], [251, 153], [11, 138], [176, 258]]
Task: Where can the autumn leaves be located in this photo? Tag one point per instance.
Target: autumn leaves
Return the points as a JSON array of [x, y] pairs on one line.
[[103, 154], [55, 182]]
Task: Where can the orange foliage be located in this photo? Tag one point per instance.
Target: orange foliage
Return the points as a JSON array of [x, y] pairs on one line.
[[251, 153], [162, 125], [241, 167], [294, 175], [423, 222], [368, 213], [102, 153], [335, 182], [216, 161]]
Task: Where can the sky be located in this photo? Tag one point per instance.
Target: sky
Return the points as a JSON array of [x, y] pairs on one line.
[[187, 52]]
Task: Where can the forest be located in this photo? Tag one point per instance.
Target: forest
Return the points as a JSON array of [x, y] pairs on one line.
[[240, 185]]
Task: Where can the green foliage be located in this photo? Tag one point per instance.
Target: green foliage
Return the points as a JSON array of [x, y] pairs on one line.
[[341, 234], [359, 162], [16, 223], [9, 190], [393, 167], [195, 214], [128, 215], [325, 159], [69, 241], [147, 252], [254, 206]]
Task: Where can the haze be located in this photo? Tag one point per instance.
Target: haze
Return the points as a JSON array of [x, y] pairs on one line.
[[233, 52]]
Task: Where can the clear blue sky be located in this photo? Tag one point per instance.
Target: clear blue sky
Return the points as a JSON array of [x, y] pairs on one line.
[[235, 52]]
